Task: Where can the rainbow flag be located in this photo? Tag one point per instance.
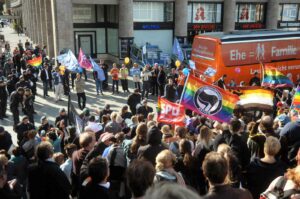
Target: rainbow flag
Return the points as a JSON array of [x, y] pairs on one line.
[[296, 100], [206, 99], [36, 61], [274, 78], [256, 98]]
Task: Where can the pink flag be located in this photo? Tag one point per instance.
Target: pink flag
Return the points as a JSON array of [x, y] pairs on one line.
[[83, 61]]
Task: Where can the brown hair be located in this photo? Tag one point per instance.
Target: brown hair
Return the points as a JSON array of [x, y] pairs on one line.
[[140, 138], [294, 175], [215, 168], [85, 139]]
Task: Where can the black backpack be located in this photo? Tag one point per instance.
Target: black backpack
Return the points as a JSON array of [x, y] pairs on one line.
[[278, 191]]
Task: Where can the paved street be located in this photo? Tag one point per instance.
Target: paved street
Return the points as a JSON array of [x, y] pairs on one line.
[[50, 108]]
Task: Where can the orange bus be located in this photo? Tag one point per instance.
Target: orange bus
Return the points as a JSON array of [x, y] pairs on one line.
[[239, 54]]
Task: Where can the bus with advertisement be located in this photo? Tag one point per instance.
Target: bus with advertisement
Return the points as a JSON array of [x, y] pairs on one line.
[[240, 54]]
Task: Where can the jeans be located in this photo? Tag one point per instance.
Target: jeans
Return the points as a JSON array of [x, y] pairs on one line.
[[146, 88], [45, 88], [124, 83], [81, 96], [115, 85], [99, 86]]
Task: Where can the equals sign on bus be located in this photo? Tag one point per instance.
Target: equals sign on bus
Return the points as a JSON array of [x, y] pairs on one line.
[[251, 54]]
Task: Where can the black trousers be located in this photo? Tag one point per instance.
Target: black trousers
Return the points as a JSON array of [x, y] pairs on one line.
[[161, 90], [115, 85], [154, 87], [3, 106], [15, 113], [81, 96], [146, 88], [137, 85], [124, 83]]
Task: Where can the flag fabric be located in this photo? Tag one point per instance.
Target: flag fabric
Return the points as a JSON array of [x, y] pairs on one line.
[[170, 113], [256, 98], [98, 69], [36, 61], [83, 61], [296, 100], [177, 50], [208, 100], [273, 78], [69, 60]]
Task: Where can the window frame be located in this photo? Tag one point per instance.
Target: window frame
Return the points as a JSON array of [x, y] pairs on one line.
[[262, 12], [191, 20]]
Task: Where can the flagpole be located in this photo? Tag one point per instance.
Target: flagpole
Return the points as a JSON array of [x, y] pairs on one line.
[[184, 88], [262, 72]]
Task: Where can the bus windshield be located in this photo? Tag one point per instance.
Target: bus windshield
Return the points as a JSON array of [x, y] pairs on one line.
[[204, 49]]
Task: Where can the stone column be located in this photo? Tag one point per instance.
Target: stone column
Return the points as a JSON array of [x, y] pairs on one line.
[[43, 22], [62, 10], [125, 26], [272, 14], [49, 28], [38, 22], [229, 15], [181, 7], [34, 22]]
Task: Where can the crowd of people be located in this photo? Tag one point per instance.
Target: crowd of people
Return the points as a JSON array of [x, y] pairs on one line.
[[127, 153]]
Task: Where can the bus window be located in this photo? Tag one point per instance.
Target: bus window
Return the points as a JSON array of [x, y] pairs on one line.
[[204, 49]]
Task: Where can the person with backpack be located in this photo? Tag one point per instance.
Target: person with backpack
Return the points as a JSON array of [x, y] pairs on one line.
[[284, 187]]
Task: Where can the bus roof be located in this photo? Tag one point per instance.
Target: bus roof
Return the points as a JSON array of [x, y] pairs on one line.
[[252, 35]]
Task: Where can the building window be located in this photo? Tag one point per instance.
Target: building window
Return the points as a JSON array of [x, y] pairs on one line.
[[100, 13], [152, 12], [112, 14], [250, 13], [204, 12], [288, 12], [84, 13]]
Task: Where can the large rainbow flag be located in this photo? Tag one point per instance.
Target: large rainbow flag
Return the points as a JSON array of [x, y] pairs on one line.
[[296, 100], [206, 99], [256, 98], [274, 78], [36, 61]]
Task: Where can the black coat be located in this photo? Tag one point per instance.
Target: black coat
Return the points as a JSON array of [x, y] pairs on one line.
[[94, 191], [141, 109], [170, 93], [259, 175], [5, 141], [44, 76], [161, 79], [46, 180], [227, 192], [133, 100], [22, 129]]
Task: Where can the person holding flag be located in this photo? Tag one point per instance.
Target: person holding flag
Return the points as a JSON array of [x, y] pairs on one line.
[[99, 77]]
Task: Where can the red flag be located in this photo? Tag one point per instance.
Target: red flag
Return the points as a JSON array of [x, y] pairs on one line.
[[83, 61], [170, 113]]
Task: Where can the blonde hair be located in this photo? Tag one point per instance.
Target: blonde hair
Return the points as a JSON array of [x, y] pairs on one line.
[[165, 129], [272, 146], [294, 175], [3, 160], [163, 158], [223, 149], [113, 116]]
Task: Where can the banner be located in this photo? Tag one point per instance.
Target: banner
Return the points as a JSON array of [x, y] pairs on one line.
[[170, 113], [69, 60], [83, 61], [208, 100]]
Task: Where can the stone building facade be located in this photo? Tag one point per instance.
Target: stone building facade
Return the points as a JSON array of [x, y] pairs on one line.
[[107, 28]]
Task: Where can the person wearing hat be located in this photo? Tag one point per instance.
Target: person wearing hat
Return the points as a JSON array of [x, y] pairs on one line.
[[16, 98], [133, 100], [3, 99], [255, 81], [62, 116], [5, 139], [143, 108]]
